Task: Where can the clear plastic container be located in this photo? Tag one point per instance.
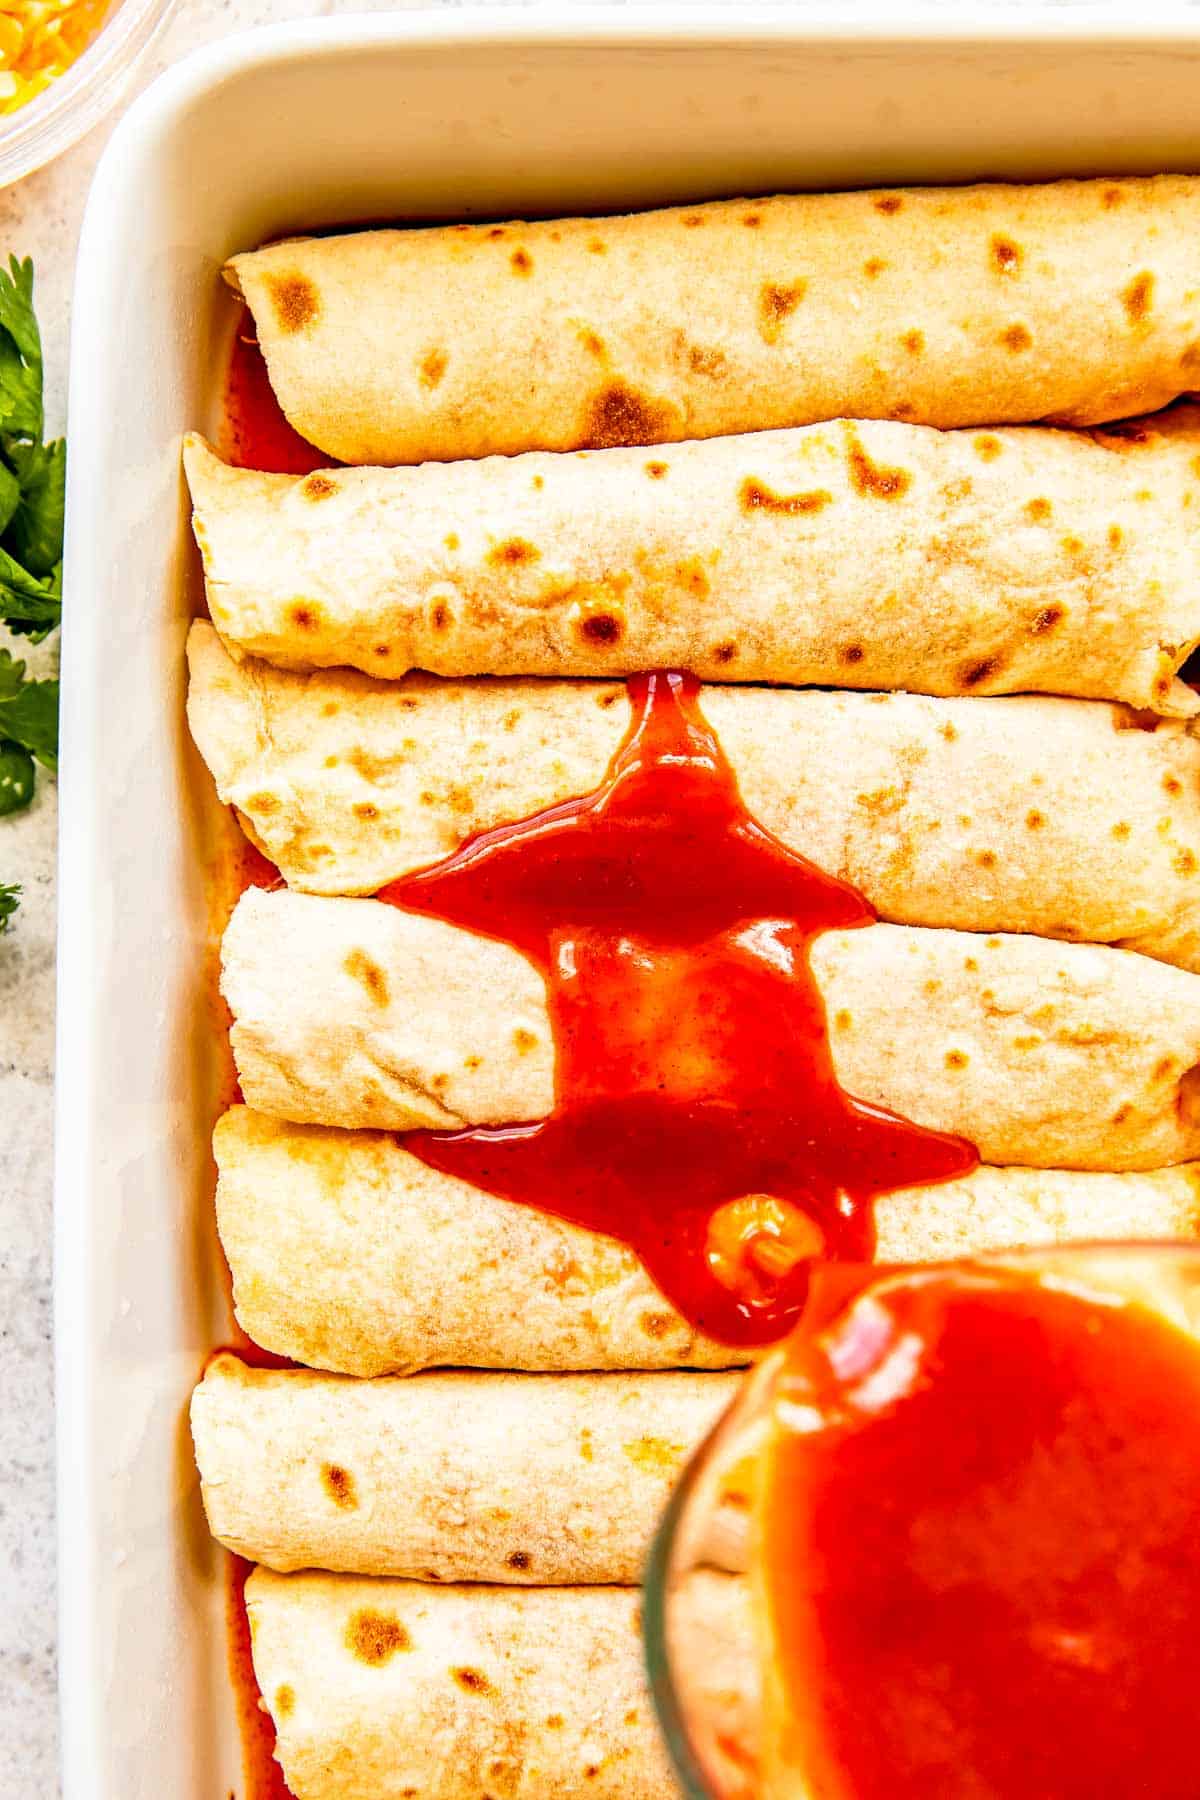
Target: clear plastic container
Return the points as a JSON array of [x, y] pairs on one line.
[[79, 98]]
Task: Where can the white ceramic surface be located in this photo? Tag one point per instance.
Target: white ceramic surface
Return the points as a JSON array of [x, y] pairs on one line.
[[410, 115]]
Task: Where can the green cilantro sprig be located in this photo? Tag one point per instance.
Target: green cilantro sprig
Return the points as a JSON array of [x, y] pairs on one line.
[[32, 491]]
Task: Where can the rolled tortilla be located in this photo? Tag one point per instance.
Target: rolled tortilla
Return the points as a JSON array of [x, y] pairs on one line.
[[349, 1254], [381, 1688], [459, 1476], [1029, 814], [352, 1013], [948, 306], [853, 554]]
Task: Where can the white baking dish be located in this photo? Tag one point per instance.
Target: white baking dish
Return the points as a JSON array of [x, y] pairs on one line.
[[429, 115]]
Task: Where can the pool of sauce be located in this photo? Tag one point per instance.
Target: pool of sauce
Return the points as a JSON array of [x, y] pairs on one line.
[[697, 1115], [980, 1548]]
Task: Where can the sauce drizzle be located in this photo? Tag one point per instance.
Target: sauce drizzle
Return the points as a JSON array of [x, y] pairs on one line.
[[697, 1115]]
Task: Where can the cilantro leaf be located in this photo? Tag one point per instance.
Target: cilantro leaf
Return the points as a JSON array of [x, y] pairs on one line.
[[16, 777], [10, 899], [20, 353], [29, 606], [28, 711], [33, 530]]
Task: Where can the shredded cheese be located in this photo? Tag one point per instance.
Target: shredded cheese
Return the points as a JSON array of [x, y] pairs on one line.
[[39, 40]]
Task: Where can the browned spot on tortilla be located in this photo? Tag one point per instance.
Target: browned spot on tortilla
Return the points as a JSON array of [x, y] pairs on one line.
[[597, 246], [440, 617], [874, 265], [777, 301], [914, 342], [525, 1041], [948, 730], [375, 1637], [471, 1681], [957, 1059], [433, 366], [472, 1062], [295, 300], [608, 699], [1137, 297], [586, 1452], [451, 540], [656, 470], [704, 361], [987, 447], [1121, 1114], [601, 628], [592, 342], [873, 479], [618, 414], [365, 809], [850, 653], [1110, 197], [725, 653], [1047, 620], [513, 552], [497, 231], [1172, 784], [1184, 862], [512, 719], [1073, 546], [756, 496], [360, 966], [329, 709], [751, 220], [383, 651], [986, 859], [285, 1701], [522, 262], [1035, 820], [655, 1324], [1038, 511], [555, 1722], [974, 674], [340, 1485], [262, 803], [318, 487], [1005, 255], [692, 220], [1121, 829], [1191, 357], [539, 482], [888, 203], [517, 1559], [1116, 537], [1016, 337], [842, 1020], [305, 615]]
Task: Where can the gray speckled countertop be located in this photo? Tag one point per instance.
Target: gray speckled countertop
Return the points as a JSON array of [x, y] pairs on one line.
[[40, 217]]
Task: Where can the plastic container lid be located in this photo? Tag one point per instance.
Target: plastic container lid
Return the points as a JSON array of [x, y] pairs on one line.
[[79, 98]]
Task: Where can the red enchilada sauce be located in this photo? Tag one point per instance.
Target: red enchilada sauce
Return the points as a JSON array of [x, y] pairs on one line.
[[697, 1115], [256, 434], [980, 1548]]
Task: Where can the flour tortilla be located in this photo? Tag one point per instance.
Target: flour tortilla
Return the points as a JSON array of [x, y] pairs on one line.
[[378, 1688], [458, 1476], [1029, 814], [947, 306], [854, 554], [349, 1254], [352, 1013]]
